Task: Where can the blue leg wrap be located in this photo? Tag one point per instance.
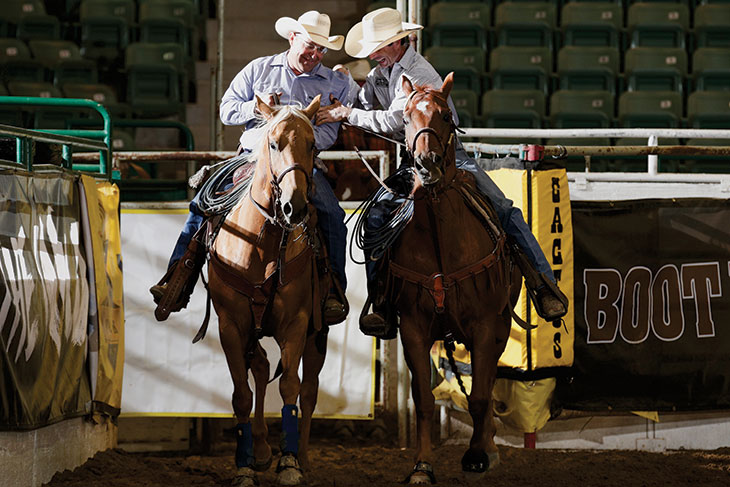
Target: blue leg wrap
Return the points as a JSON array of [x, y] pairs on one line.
[[244, 445], [289, 429]]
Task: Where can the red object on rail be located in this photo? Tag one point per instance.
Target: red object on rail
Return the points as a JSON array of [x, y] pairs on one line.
[[532, 153], [530, 440]]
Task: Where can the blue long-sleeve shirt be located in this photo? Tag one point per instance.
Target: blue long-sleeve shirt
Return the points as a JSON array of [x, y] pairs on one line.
[[272, 74]]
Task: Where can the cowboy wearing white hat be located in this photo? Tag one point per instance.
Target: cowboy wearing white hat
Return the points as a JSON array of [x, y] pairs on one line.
[[295, 76], [377, 29], [314, 26], [377, 38]]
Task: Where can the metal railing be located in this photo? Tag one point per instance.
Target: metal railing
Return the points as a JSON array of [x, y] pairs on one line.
[[651, 149], [68, 138]]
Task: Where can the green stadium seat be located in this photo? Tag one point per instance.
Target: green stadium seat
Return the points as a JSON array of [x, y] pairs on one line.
[[521, 68], [588, 68], [13, 10], [459, 24], [658, 24], [581, 109], [100, 93], [655, 68], [712, 25], [123, 141], [17, 63], [105, 27], [711, 69], [166, 21], [709, 110], [650, 109], [466, 103], [155, 75], [592, 24], [467, 63], [64, 60], [525, 23], [38, 26], [513, 108]]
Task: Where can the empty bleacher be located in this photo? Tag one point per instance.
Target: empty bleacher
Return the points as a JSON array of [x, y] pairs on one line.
[[641, 63]]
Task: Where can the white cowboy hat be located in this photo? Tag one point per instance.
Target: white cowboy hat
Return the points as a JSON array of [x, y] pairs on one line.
[[313, 25], [377, 29]]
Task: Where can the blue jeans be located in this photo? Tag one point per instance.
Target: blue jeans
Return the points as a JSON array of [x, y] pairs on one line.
[[330, 215], [510, 217]]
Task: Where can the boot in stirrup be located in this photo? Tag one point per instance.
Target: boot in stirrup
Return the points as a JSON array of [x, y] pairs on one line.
[[550, 302], [377, 323]]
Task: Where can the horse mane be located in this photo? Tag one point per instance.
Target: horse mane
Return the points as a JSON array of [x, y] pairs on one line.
[[283, 112]]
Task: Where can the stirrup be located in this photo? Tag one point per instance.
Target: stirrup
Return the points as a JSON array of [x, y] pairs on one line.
[[550, 302], [376, 324], [335, 311]]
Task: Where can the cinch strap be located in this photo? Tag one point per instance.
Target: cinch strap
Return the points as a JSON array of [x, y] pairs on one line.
[[289, 429]]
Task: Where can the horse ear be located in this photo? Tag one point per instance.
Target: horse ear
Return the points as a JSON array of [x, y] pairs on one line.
[[407, 85], [448, 84], [313, 107], [263, 108]]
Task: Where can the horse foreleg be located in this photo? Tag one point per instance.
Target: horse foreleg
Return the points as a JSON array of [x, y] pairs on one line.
[[313, 358], [261, 448], [416, 352], [292, 348], [234, 345], [483, 453]]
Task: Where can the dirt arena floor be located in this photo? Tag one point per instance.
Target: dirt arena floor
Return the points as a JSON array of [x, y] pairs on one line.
[[370, 457]]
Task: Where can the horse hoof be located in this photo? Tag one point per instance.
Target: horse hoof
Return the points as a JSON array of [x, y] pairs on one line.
[[422, 474], [419, 479], [475, 462], [245, 477], [263, 465], [290, 473]]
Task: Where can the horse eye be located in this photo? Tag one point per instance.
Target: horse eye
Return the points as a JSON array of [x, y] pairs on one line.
[[405, 121], [447, 117], [273, 146]]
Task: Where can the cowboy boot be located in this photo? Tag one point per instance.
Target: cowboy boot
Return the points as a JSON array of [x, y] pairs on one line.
[[549, 301], [336, 306], [380, 323]]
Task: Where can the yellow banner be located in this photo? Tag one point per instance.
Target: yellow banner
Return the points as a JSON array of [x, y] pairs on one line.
[[102, 200], [547, 345]]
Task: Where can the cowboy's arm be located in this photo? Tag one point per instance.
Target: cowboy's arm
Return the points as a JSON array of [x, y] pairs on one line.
[[325, 133], [388, 121], [238, 102]]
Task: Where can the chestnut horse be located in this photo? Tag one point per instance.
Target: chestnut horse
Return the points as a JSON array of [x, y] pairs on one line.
[[454, 278], [264, 282]]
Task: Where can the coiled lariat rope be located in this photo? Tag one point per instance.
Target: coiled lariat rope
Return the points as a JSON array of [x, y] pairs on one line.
[[374, 242], [214, 198]]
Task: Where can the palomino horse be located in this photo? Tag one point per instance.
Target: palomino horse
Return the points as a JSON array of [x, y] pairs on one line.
[[264, 282], [455, 278]]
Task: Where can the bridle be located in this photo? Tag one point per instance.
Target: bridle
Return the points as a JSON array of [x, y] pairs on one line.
[[275, 184], [429, 130]]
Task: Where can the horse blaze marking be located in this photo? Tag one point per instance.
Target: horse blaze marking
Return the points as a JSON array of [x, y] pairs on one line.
[[642, 302], [422, 106]]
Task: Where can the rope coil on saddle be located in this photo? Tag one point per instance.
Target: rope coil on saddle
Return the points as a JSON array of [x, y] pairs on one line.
[[214, 198], [376, 241]]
